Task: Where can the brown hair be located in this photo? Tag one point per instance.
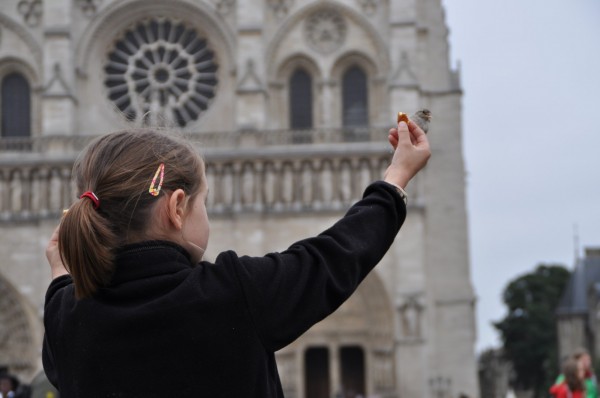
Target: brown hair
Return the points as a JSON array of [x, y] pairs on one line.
[[579, 352], [571, 372], [119, 168]]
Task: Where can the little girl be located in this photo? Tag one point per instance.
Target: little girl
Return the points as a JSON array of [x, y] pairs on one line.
[[132, 311]]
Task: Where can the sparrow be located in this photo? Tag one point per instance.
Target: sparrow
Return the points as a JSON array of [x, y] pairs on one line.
[[422, 118]]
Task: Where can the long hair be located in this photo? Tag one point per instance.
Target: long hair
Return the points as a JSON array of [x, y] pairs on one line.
[[571, 372], [118, 168]]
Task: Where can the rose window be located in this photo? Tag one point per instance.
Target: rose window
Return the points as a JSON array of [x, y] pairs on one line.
[[161, 71]]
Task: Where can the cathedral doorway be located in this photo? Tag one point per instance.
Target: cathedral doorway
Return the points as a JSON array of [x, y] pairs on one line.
[[352, 365], [348, 366], [316, 370]]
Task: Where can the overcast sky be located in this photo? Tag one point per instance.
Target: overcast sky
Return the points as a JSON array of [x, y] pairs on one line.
[[531, 130]]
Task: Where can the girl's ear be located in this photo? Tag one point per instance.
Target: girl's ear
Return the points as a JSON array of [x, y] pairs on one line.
[[176, 208]]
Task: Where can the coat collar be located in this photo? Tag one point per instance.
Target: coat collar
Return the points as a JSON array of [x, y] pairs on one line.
[[149, 258]]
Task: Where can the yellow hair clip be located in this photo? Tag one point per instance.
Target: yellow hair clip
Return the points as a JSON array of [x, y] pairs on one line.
[[155, 191]]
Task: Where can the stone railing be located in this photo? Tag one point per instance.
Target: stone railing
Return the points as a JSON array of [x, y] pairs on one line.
[[245, 178], [223, 139]]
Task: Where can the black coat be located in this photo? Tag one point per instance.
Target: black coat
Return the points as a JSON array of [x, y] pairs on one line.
[[168, 328]]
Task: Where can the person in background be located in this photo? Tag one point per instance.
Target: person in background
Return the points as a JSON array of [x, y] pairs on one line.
[[11, 387], [591, 385], [572, 384], [8, 385]]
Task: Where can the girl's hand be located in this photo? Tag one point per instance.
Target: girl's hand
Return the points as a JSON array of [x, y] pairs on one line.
[[57, 268], [411, 153]]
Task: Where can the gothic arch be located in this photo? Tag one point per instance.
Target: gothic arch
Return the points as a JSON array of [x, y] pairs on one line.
[[25, 35], [19, 332], [367, 65], [119, 15], [298, 60], [279, 88], [366, 321], [119, 108], [369, 313], [351, 58], [10, 65], [360, 20]]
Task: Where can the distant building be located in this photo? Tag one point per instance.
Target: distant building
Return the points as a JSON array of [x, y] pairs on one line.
[[290, 102], [578, 314]]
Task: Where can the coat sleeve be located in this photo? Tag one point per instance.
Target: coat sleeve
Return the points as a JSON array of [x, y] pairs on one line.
[[52, 308], [289, 292]]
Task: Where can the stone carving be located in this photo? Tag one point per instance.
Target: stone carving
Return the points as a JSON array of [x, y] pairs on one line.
[[404, 76], [224, 7], [411, 310], [441, 387], [280, 7], [369, 6], [161, 72], [31, 11], [57, 86], [250, 81], [16, 339], [325, 30], [29, 191], [383, 371], [89, 7]]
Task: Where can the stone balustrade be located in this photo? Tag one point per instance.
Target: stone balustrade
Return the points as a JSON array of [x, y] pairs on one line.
[[248, 172]]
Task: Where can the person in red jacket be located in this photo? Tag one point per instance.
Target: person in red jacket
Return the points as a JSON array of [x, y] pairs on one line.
[[573, 384]]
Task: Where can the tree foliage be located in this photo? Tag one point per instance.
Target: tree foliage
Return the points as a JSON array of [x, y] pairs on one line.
[[528, 331]]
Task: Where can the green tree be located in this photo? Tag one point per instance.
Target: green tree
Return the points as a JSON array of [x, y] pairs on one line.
[[528, 332]]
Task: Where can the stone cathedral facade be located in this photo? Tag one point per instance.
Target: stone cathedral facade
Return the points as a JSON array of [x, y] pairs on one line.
[[289, 102]]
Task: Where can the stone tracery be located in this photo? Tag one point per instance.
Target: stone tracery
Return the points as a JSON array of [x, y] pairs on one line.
[[162, 72]]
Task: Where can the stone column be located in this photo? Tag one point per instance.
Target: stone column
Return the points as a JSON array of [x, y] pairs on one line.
[[251, 90], [403, 82], [58, 100], [334, 371]]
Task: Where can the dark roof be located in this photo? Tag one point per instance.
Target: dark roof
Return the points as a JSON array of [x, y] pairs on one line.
[[585, 274]]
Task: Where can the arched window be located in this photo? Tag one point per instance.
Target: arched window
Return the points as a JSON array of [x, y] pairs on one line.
[[355, 102], [16, 106], [301, 100]]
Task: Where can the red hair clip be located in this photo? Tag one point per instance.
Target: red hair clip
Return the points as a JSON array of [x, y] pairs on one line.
[[93, 197], [155, 191]]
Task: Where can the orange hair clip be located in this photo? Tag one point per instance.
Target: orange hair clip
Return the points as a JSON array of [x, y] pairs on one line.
[[155, 191]]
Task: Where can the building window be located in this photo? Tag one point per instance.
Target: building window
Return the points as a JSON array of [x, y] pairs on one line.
[[161, 72], [301, 102], [355, 103], [16, 106]]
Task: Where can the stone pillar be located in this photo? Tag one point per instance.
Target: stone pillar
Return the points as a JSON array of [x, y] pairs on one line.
[[251, 90], [335, 386], [404, 81], [58, 100]]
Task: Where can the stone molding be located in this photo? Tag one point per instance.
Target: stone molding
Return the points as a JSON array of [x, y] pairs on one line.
[[250, 173], [298, 17], [119, 15], [8, 23]]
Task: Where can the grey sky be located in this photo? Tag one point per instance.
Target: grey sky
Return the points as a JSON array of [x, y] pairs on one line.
[[531, 130]]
